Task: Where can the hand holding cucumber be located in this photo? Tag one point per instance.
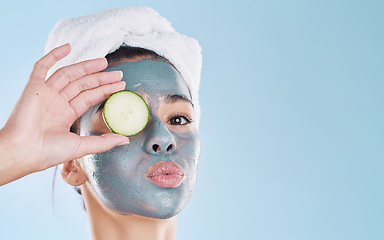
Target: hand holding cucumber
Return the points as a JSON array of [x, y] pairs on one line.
[[36, 135]]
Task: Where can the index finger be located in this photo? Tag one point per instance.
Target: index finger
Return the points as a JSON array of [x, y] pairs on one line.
[[65, 75], [41, 67]]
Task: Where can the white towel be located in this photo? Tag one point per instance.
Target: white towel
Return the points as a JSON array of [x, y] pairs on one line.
[[97, 35]]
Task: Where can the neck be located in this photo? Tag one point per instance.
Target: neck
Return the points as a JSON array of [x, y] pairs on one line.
[[106, 224]]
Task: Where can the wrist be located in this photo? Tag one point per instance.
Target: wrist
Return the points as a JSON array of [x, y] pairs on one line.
[[11, 165]]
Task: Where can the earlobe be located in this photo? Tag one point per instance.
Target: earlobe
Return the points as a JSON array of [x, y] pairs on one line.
[[73, 174]]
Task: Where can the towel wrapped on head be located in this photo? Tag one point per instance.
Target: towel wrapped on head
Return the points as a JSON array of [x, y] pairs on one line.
[[96, 35]]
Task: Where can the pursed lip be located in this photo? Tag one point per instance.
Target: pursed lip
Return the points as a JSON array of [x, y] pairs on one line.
[[165, 174]]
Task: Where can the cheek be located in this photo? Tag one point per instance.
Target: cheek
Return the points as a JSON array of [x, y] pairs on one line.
[[189, 153], [120, 163], [92, 122], [98, 123], [189, 143], [110, 168], [118, 160]]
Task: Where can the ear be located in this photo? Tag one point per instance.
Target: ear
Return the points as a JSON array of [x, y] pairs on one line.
[[73, 174]]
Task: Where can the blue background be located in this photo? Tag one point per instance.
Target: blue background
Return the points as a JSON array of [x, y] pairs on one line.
[[292, 124]]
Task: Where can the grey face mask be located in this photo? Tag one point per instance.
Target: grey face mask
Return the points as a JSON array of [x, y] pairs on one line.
[[124, 178]]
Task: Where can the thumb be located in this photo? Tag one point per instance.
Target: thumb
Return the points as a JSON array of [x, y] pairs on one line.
[[96, 144]]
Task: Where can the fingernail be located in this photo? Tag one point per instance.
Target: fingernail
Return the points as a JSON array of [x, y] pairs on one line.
[[106, 61], [123, 143], [65, 46]]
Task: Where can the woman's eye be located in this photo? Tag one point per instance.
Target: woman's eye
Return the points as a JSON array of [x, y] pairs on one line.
[[179, 120]]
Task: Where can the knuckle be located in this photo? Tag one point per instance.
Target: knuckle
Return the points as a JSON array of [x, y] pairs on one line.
[[39, 64], [65, 74], [65, 95], [80, 86], [87, 102], [73, 106], [45, 62], [99, 80], [84, 68], [105, 92], [87, 83]]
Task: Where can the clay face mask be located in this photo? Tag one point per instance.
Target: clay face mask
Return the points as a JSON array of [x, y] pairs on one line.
[[154, 175]]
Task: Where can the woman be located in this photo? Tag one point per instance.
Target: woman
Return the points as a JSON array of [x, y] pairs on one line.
[[135, 190]]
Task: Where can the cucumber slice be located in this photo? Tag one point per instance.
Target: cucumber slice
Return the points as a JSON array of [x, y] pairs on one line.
[[126, 113]]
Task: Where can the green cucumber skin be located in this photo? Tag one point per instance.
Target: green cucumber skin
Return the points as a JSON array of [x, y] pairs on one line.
[[109, 124]]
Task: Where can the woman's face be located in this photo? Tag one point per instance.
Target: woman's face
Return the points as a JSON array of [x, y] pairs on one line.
[[154, 175]]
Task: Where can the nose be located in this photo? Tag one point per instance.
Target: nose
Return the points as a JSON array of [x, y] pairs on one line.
[[159, 139]]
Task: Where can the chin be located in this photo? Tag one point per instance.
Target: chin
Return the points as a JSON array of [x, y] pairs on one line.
[[149, 212], [159, 205]]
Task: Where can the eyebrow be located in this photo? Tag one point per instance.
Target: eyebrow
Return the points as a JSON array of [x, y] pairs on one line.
[[172, 98]]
